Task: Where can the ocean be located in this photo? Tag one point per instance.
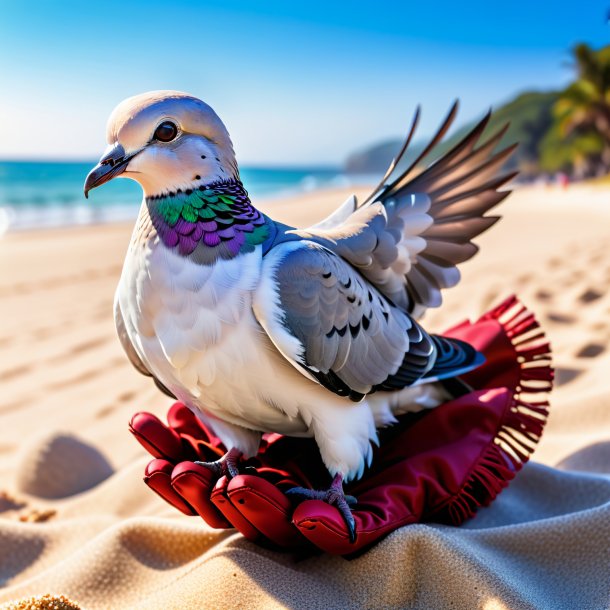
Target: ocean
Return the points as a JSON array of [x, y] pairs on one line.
[[36, 195]]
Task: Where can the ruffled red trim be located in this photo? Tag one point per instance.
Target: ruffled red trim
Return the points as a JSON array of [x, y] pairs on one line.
[[524, 418]]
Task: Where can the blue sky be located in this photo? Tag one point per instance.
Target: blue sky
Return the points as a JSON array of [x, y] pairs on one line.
[[301, 83]]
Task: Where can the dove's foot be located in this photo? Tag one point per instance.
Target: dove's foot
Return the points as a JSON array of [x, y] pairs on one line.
[[226, 465], [334, 496]]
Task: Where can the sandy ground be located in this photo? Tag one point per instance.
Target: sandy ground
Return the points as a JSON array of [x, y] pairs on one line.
[[62, 373]]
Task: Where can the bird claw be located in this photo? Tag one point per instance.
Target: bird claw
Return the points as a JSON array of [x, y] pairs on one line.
[[225, 466], [334, 496]]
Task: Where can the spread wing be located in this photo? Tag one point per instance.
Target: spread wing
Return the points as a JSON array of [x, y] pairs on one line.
[[130, 351], [333, 326], [410, 234]]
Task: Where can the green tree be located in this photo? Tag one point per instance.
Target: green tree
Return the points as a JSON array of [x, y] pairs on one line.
[[582, 113]]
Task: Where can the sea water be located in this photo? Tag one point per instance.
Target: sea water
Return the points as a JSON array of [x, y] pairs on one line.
[[50, 194]]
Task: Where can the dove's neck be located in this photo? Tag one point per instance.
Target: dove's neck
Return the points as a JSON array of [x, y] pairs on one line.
[[208, 222]]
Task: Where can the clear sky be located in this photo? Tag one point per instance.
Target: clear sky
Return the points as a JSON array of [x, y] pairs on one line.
[[295, 82]]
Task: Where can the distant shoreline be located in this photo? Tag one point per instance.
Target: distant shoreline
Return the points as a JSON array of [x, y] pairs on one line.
[[48, 194]]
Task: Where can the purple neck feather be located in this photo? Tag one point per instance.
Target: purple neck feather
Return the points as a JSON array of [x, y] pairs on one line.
[[208, 222]]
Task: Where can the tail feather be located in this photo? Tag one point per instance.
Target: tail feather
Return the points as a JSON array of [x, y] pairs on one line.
[[454, 358]]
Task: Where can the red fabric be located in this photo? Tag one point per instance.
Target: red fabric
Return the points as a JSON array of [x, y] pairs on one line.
[[439, 465]]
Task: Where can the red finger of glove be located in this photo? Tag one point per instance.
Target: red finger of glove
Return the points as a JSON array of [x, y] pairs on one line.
[[184, 421], [157, 476], [199, 442], [266, 508], [194, 484], [159, 440], [221, 501], [324, 527], [163, 441]]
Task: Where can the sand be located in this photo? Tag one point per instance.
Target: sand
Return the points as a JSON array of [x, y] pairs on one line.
[[76, 519]]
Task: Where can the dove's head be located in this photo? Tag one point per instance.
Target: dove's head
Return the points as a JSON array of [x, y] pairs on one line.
[[166, 141]]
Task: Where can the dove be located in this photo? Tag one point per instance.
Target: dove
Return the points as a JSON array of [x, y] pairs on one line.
[[261, 327]]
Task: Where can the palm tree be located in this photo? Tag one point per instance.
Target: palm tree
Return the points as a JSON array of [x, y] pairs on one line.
[[583, 109]]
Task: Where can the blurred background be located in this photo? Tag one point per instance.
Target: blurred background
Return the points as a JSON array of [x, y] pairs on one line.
[[314, 94]]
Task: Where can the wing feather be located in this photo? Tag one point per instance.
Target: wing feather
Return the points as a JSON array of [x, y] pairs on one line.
[[349, 336], [411, 233]]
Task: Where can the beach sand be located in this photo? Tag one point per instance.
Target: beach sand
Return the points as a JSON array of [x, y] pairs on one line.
[[76, 519]]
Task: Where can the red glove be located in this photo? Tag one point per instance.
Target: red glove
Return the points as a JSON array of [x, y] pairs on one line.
[[438, 465]]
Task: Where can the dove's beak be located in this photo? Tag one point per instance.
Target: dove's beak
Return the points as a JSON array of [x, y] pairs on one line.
[[113, 163]]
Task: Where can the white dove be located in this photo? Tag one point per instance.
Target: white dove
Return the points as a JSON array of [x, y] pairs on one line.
[[260, 327]]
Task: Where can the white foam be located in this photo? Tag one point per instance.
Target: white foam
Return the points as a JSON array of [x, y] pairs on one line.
[[37, 217]]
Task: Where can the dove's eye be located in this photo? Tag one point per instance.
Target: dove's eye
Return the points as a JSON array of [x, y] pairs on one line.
[[166, 132]]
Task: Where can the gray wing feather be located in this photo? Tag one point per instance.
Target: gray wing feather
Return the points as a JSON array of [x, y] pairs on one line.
[[415, 228], [353, 337]]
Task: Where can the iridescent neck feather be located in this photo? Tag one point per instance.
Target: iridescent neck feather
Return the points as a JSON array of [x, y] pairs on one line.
[[208, 222]]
